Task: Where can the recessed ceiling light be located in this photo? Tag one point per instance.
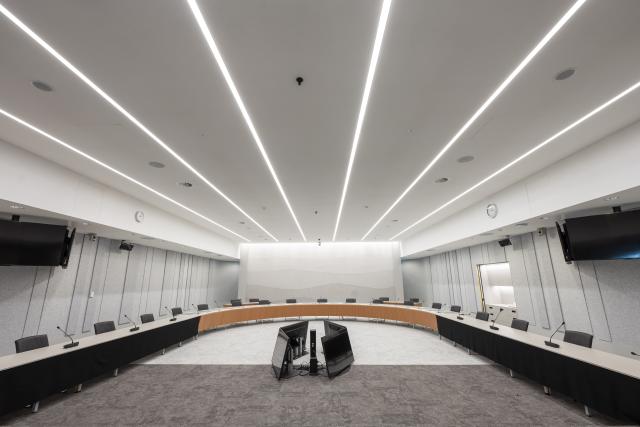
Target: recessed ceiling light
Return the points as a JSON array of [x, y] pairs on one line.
[[208, 36], [42, 86], [496, 93], [155, 164], [610, 198], [114, 170], [526, 154], [46, 46], [544, 218], [465, 159], [441, 180], [186, 184], [16, 207], [565, 74], [394, 220], [377, 46], [85, 223]]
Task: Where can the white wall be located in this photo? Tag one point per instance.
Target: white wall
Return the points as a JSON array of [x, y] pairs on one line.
[[606, 167], [34, 181], [34, 300], [306, 271], [598, 297]]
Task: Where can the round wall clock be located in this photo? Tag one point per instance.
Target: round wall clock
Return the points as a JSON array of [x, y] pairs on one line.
[[492, 210], [139, 216]]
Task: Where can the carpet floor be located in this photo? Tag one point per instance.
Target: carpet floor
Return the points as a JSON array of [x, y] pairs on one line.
[[248, 395]]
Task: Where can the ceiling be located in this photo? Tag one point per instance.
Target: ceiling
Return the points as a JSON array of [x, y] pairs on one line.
[[439, 61]]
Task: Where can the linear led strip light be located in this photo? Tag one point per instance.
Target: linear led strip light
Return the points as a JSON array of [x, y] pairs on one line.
[[6, 12], [382, 24], [204, 28], [525, 155], [527, 59], [114, 170]]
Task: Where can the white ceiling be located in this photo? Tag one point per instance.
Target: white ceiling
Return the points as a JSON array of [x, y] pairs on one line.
[[439, 61]]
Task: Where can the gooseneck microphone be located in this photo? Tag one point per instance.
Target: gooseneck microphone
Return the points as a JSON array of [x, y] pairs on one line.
[[634, 353], [552, 344], [493, 325], [135, 327], [72, 343], [173, 318], [194, 306]]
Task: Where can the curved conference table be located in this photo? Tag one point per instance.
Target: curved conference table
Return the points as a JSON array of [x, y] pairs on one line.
[[406, 314]]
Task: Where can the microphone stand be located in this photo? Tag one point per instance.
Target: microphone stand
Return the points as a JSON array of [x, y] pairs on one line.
[[173, 318], [135, 327], [552, 344], [493, 326], [72, 343]]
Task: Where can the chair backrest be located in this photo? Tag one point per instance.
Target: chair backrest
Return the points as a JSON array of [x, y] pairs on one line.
[[578, 338], [408, 302], [102, 327], [482, 315], [291, 301], [456, 308], [31, 343], [264, 302], [322, 300], [437, 305], [236, 302], [377, 301], [176, 310], [146, 318], [383, 298], [202, 307], [414, 299], [350, 300], [520, 324], [254, 299]]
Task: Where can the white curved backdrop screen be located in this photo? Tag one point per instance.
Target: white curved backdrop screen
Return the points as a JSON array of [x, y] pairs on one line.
[[306, 271]]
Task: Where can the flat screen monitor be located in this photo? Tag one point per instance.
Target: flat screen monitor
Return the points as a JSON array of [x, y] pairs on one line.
[[297, 333], [27, 243], [602, 237], [331, 329], [337, 353], [279, 358]]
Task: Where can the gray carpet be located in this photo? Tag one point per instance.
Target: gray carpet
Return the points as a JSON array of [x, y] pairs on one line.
[[241, 395]]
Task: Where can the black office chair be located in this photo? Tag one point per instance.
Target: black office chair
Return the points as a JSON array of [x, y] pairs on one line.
[[482, 315], [236, 302], [264, 302], [175, 311], [103, 327], [203, 307], [254, 299], [146, 318], [291, 301], [377, 301], [383, 298], [578, 338], [321, 300], [436, 305], [456, 308], [408, 302], [31, 343], [520, 324], [350, 300], [414, 299]]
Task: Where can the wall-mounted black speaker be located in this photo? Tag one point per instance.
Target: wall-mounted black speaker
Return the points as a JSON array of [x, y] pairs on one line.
[[504, 242], [126, 246]]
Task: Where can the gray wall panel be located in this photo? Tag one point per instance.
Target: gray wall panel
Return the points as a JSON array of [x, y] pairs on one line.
[[601, 297], [36, 300]]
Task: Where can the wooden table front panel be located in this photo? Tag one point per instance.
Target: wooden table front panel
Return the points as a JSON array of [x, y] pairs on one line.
[[248, 313]]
